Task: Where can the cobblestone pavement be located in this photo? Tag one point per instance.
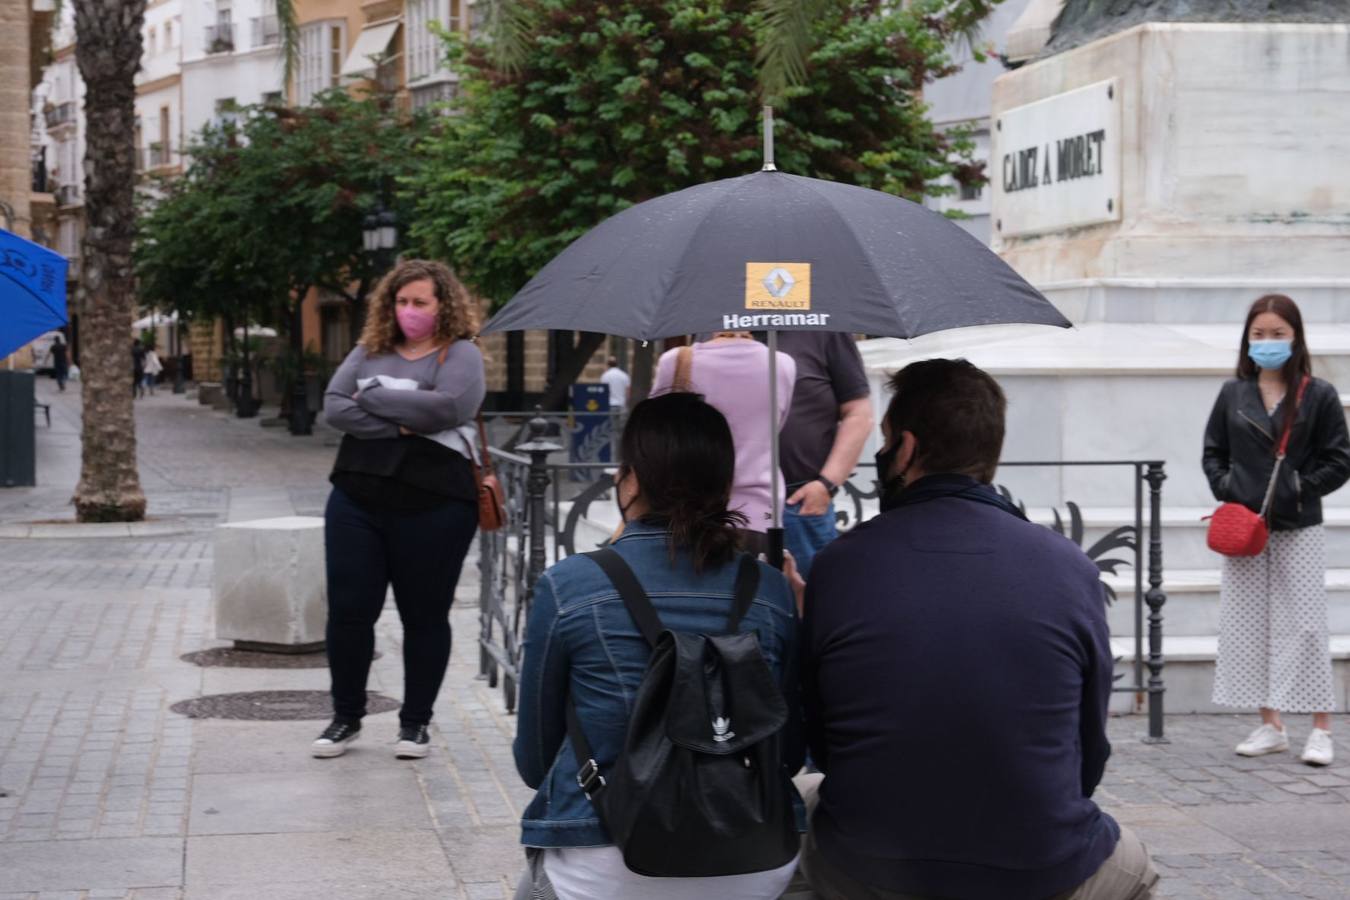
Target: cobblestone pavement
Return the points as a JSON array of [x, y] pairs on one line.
[[105, 793]]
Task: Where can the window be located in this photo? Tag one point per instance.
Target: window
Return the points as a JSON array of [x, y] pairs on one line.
[[273, 98], [322, 47], [150, 49], [227, 111], [436, 92], [423, 48], [971, 191], [168, 35]]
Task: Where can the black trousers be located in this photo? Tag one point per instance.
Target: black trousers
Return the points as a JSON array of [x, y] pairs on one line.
[[420, 554]]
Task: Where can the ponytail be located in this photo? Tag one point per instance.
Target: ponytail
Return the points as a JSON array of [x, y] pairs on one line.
[[680, 450]]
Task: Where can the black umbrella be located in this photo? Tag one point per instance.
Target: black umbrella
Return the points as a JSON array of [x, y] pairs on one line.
[[775, 252]]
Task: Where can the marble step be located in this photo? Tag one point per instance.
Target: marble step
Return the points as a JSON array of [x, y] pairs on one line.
[[1185, 530], [1188, 674], [1192, 607]]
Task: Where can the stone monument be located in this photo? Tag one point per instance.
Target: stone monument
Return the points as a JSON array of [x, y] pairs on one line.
[[1156, 166]]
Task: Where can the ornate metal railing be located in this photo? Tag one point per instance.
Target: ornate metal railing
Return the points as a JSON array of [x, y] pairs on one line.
[[548, 511]]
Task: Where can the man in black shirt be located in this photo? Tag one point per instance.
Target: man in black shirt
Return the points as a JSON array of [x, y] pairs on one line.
[[823, 437]]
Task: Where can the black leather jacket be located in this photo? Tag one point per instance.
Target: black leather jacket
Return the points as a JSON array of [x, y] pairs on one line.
[[1240, 443]]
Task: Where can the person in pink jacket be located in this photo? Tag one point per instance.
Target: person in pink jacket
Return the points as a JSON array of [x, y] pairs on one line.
[[731, 371]]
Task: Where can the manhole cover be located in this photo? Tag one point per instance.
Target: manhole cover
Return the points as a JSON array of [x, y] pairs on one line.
[[232, 658], [273, 706]]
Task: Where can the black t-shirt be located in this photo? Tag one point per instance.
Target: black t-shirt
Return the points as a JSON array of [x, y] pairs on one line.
[[829, 374], [408, 473]]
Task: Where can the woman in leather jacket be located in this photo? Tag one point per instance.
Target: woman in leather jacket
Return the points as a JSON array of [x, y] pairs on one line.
[[1274, 652]]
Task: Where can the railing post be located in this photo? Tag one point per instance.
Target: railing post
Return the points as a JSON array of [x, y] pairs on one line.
[[1155, 598], [536, 493]]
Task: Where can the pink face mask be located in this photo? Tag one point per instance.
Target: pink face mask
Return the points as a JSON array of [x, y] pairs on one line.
[[416, 324]]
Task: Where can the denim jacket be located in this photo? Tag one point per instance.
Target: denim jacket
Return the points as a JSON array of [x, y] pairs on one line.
[[580, 638]]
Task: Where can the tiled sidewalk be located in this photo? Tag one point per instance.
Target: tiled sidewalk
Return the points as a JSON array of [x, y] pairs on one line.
[[105, 793]]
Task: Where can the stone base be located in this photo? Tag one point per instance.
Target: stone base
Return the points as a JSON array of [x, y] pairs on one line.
[[269, 583], [209, 393], [292, 649]]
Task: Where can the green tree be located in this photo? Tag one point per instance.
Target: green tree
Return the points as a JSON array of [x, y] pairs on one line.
[[279, 196], [611, 103]]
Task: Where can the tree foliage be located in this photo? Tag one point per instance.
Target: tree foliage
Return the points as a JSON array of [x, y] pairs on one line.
[[271, 205], [611, 103]]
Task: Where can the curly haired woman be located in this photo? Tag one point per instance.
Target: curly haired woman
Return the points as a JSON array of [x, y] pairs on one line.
[[403, 509]]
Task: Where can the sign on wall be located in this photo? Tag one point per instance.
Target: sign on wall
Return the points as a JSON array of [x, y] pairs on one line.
[[1056, 162]]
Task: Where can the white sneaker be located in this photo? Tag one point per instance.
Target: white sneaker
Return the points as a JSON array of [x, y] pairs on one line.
[[1318, 750], [1266, 739]]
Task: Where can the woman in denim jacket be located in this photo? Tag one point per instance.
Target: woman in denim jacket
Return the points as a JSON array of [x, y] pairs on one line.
[[672, 490]]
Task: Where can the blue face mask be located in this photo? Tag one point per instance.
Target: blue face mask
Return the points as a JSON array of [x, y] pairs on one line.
[[1270, 354]]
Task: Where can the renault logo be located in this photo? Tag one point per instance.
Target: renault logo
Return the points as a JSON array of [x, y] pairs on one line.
[[779, 282]]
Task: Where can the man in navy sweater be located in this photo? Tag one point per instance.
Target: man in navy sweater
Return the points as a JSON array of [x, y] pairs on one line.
[[956, 673]]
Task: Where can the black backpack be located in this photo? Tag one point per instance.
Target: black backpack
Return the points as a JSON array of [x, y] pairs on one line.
[[699, 787]]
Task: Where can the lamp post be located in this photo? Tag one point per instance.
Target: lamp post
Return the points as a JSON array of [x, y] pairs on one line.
[[379, 238]]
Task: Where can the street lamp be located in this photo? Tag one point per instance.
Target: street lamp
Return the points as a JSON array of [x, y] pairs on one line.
[[379, 233]]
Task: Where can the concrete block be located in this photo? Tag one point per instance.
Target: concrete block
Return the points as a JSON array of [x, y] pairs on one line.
[[210, 393], [269, 584]]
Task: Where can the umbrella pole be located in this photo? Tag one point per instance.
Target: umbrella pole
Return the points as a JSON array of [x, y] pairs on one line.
[[776, 528]]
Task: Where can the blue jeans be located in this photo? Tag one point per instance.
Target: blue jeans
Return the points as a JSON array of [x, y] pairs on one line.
[[805, 536]]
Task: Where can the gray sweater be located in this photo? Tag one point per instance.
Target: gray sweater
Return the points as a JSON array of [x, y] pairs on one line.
[[450, 394]]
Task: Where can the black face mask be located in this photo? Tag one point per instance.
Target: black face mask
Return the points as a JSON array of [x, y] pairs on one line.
[[623, 510], [889, 487]]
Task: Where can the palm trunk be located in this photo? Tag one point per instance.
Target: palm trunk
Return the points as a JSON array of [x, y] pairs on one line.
[[108, 52]]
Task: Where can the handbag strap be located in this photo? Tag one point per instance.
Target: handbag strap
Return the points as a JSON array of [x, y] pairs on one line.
[[1283, 446], [684, 366], [483, 445]]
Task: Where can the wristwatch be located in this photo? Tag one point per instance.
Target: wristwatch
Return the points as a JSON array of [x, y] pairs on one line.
[[829, 485]]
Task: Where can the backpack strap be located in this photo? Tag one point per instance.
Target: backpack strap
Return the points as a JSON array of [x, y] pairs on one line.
[[630, 590], [747, 583]]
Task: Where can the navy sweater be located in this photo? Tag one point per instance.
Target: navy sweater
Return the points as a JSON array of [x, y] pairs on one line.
[[956, 674]]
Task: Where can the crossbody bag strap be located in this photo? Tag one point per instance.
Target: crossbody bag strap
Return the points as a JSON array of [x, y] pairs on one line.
[[684, 367], [483, 444], [1283, 448], [747, 583]]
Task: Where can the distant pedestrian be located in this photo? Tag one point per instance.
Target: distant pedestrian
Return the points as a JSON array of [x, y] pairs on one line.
[[731, 372], [823, 437], [137, 368], [403, 509], [152, 369], [619, 384], [1274, 646], [60, 360]]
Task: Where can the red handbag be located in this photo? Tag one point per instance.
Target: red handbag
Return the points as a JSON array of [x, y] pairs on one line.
[[1234, 530], [491, 499]]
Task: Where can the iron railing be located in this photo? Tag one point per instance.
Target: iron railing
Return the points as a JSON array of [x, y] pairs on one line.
[[266, 31], [61, 114], [220, 38], [548, 510]]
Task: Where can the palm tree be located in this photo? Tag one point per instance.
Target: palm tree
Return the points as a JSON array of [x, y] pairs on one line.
[[108, 53]]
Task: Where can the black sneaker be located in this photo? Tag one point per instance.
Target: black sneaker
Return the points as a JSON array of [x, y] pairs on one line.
[[335, 738], [414, 742]]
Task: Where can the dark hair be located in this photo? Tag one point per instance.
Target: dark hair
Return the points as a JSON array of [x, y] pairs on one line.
[[1300, 363], [680, 450], [956, 413], [613, 361]]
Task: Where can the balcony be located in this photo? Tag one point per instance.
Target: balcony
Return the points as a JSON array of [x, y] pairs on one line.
[[61, 114], [266, 31], [220, 38], [157, 156], [68, 195]]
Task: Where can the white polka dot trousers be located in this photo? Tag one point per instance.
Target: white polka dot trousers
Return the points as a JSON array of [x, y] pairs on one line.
[[1274, 648]]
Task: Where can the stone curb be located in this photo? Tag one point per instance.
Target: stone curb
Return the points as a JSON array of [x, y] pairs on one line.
[[87, 530]]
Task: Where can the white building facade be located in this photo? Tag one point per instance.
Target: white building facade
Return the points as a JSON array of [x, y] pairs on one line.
[[231, 57]]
